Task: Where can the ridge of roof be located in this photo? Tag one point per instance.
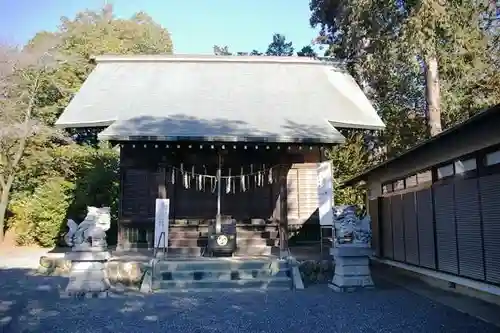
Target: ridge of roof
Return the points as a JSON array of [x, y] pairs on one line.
[[160, 58]]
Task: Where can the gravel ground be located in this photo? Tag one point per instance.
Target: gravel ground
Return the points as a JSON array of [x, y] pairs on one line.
[[33, 305]]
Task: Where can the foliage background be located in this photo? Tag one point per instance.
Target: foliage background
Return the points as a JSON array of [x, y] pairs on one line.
[[384, 45], [59, 176]]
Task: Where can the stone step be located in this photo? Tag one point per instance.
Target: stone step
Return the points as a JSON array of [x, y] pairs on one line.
[[271, 283], [241, 242], [246, 226], [252, 250], [186, 251], [273, 234], [219, 264], [239, 291], [185, 233], [253, 242], [187, 242], [206, 223], [256, 228], [257, 250], [223, 275]]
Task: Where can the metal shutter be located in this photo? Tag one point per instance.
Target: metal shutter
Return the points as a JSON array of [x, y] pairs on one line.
[[425, 225], [410, 228], [490, 208], [386, 221], [398, 228], [445, 228], [468, 220]]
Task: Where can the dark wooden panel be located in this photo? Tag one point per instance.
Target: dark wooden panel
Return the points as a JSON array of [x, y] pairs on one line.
[[193, 203], [386, 226], [444, 207], [373, 211], [490, 208], [410, 228], [425, 225], [398, 228], [468, 220], [139, 192]]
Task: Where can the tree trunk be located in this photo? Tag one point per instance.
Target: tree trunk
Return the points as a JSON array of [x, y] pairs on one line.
[[433, 96], [4, 201]]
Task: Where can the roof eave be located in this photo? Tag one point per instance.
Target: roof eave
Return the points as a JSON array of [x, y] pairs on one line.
[[321, 61], [375, 127], [235, 138], [85, 124]]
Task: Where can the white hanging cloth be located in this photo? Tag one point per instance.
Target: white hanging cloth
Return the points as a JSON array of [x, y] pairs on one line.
[[243, 185], [228, 182]]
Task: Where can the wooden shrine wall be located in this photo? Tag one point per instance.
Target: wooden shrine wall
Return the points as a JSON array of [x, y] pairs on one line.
[[146, 174]]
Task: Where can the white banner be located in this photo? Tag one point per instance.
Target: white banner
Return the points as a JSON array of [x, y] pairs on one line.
[[325, 193], [161, 222]]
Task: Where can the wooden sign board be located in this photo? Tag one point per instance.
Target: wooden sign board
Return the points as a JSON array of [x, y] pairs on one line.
[[162, 210], [325, 193]]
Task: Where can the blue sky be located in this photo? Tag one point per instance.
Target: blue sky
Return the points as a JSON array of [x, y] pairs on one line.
[[195, 25]]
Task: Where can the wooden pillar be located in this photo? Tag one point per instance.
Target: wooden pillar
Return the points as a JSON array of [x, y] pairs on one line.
[[283, 218], [121, 172]]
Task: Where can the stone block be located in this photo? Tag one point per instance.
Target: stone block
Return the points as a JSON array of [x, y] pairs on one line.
[[352, 261], [88, 256], [352, 270], [87, 286], [352, 281], [351, 250], [127, 273], [51, 265]]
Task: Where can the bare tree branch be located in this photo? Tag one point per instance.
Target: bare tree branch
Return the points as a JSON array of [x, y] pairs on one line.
[[21, 73]]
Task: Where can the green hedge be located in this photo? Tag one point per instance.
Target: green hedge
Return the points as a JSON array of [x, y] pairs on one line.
[[71, 178]]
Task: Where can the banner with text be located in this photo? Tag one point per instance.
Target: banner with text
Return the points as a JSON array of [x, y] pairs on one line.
[[161, 223]]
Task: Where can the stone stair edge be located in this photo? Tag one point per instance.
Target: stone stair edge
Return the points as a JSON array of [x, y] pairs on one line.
[[180, 225], [271, 282], [221, 290], [222, 270], [216, 260], [202, 247], [209, 279]]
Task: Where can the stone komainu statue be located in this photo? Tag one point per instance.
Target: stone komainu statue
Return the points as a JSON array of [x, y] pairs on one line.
[[91, 232], [349, 228]]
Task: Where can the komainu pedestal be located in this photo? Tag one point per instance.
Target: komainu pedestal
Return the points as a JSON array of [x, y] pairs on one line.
[[352, 267], [351, 250], [88, 275], [89, 255]]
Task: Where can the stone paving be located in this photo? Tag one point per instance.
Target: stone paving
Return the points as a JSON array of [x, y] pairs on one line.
[[30, 303]]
